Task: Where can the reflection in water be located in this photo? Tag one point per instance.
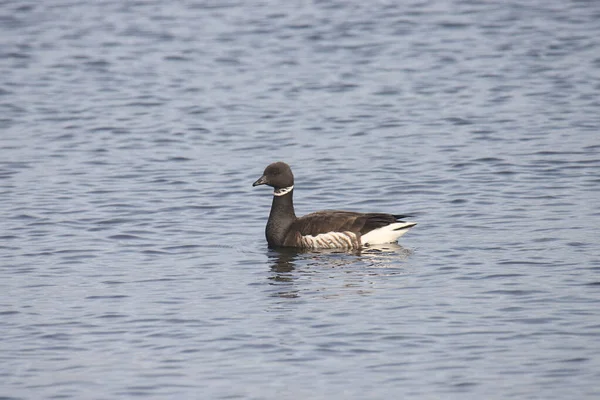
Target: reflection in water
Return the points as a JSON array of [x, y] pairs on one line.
[[289, 266], [283, 265]]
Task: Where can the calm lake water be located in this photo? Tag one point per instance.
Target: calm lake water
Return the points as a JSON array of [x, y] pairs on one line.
[[133, 262]]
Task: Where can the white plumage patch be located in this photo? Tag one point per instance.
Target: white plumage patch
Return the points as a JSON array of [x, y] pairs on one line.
[[349, 240], [331, 240], [386, 234], [283, 191]]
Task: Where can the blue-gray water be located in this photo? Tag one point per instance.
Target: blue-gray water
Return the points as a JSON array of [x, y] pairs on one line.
[[133, 262]]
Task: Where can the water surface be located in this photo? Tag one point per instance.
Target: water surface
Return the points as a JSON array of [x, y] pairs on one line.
[[132, 255]]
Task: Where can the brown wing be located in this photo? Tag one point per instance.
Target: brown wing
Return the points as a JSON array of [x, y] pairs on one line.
[[340, 221]]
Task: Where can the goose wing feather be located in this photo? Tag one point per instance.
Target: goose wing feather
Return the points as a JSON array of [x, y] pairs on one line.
[[341, 221]]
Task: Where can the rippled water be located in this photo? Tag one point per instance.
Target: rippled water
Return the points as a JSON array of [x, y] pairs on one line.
[[133, 259]]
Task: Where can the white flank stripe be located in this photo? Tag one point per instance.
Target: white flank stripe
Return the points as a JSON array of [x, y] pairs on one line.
[[386, 234], [330, 240]]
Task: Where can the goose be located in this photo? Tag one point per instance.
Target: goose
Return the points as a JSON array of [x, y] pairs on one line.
[[328, 229]]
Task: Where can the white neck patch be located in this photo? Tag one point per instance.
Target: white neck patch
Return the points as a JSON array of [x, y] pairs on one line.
[[283, 191]]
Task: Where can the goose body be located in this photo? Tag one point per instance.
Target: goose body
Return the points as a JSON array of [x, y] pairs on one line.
[[328, 229]]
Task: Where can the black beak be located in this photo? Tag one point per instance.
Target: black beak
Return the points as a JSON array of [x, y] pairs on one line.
[[261, 181]]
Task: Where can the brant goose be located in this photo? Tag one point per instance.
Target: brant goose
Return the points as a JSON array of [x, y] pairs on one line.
[[323, 229]]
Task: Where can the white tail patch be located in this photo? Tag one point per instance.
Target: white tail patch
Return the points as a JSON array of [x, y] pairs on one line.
[[386, 234], [331, 240]]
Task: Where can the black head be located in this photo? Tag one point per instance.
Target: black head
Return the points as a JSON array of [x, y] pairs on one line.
[[278, 175]]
